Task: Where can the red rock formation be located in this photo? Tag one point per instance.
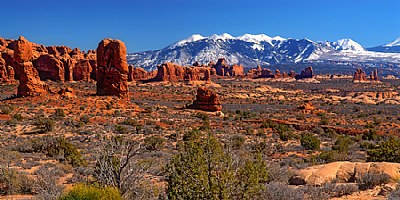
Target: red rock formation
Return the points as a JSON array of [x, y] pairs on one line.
[[266, 73], [50, 68], [237, 70], [112, 68], [374, 75], [306, 108], [138, 74], [175, 73], [306, 73], [67, 92], [82, 71], [292, 74], [206, 100], [29, 81], [278, 74], [359, 75]]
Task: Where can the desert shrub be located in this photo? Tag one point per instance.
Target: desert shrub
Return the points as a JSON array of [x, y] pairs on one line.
[[370, 135], [279, 173], [237, 141], [268, 124], [18, 117], [46, 183], [204, 170], [315, 193], [131, 122], [395, 195], [370, 180], [6, 109], [118, 165], [88, 192], [84, 119], [154, 142], [59, 112], [309, 141], [14, 182], [339, 190], [44, 125], [324, 119], [120, 129], [58, 147], [385, 151], [328, 156], [342, 144], [282, 191]]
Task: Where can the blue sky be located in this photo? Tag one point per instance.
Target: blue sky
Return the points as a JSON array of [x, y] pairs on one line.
[[153, 24]]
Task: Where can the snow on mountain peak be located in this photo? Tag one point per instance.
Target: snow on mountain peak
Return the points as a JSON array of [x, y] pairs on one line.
[[224, 36], [348, 44], [192, 38], [394, 43]]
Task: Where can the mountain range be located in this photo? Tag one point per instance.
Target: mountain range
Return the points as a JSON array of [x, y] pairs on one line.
[[252, 50]]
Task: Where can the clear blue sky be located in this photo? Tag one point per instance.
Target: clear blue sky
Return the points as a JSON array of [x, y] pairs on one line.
[[153, 24]]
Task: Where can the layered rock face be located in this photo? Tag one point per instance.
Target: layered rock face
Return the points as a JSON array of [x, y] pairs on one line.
[[112, 68], [206, 100], [306, 73], [29, 80], [174, 73]]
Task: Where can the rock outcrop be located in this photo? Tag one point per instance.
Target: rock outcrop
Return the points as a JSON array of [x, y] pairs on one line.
[[56, 63], [138, 74], [306, 108], [6, 72], [206, 100], [112, 68], [50, 68], [359, 75], [175, 73], [306, 73], [29, 80], [223, 69], [343, 172]]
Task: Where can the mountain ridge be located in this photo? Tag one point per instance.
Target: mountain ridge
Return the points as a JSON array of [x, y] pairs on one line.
[[259, 49]]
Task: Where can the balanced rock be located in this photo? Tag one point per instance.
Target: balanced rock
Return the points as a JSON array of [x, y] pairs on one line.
[[206, 100], [112, 68]]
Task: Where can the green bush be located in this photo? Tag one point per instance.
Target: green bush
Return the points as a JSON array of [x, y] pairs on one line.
[[310, 142], [59, 112], [237, 141], [371, 135], [385, 151], [58, 148], [18, 117], [204, 170], [154, 142], [44, 125], [342, 144], [88, 192]]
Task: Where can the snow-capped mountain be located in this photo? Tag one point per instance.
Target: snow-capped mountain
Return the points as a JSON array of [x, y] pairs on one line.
[[392, 47], [252, 50]]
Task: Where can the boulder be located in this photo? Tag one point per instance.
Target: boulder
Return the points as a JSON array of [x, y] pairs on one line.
[[206, 100], [112, 68], [343, 172]]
